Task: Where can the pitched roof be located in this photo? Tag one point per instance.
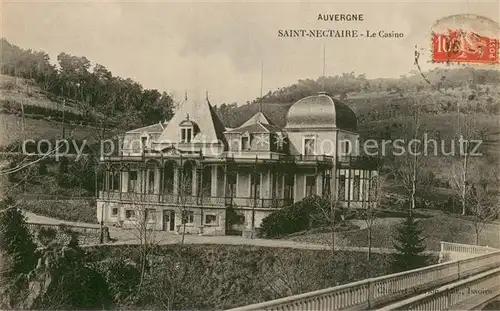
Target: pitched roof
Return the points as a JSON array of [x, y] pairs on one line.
[[201, 112], [153, 128], [257, 128], [258, 117], [259, 123]]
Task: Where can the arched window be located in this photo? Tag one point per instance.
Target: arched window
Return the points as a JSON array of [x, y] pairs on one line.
[[168, 178], [186, 180]]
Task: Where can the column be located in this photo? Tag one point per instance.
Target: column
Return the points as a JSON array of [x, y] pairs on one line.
[[194, 183], [214, 181], [177, 174], [157, 180]]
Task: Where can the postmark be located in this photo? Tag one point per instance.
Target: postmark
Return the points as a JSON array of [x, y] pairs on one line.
[[465, 38]]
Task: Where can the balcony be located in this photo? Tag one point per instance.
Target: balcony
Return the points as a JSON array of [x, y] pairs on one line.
[[173, 199], [300, 158], [361, 162]]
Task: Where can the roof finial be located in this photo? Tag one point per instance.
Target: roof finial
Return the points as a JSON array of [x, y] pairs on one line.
[[206, 95], [185, 95], [261, 83]]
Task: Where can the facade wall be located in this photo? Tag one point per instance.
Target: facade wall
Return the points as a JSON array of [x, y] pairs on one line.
[[353, 140], [325, 141], [215, 216]]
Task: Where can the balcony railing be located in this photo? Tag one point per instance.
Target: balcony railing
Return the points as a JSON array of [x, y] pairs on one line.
[[306, 158], [267, 203], [370, 162]]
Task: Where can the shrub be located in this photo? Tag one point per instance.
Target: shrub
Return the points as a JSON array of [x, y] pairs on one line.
[[302, 215]]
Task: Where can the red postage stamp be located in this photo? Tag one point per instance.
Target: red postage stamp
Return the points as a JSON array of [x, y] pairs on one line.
[[465, 39]]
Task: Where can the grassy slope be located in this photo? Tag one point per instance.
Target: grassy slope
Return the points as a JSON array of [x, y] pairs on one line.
[[17, 90], [440, 227], [226, 276]]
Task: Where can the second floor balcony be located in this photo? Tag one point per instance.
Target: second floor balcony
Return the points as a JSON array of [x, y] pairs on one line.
[[194, 201]]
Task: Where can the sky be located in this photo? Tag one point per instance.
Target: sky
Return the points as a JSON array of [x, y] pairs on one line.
[[220, 47]]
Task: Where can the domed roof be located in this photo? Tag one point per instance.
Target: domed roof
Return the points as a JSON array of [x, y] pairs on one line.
[[320, 111]]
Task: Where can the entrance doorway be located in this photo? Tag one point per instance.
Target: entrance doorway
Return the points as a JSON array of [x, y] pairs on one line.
[[168, 220]]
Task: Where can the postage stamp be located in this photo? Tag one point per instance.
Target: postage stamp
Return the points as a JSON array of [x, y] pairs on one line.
[[465, 38]]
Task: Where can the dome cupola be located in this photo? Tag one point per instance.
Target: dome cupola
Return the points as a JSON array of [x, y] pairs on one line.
[[320, 112]]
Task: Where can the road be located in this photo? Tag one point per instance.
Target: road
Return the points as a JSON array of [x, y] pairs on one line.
[[129, 237]]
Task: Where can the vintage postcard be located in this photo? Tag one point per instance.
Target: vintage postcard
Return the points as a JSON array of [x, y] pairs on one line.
[[250, 155]]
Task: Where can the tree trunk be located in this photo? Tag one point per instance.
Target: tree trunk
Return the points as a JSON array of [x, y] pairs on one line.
[[413, 184], [183, 232], [464, 184]]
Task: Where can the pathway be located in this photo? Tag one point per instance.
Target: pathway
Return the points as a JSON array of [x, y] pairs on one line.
[[129, 237]]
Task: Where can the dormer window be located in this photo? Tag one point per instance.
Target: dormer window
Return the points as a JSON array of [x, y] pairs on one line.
[[188, 130], [144, 142], [245, 142], [186, 135]]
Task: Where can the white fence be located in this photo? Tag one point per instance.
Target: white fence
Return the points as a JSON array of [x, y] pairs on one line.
[[375, 292]]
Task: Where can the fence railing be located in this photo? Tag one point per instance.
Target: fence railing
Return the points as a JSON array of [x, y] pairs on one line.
[[374, 292], [245, 202], [466, 249], [461, 295]]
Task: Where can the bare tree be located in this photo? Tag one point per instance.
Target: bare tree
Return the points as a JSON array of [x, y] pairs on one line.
[[378, 188], [326, 215], [411, 170], [185, 197], [142, 219], [482, 196]]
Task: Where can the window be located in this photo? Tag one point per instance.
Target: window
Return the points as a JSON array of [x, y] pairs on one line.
[[310, 185], [144, 140], [245, 143], [150, 214], [129, 214], [211, 219], [309, 146], [115, 181], [341, 194], [326, 185], [346, 147], [114, 211], [151, 181], [186, 135], [132, 181], [289, 182], [231, 185], [356, 188], [255, 186], [183, 135], [188, 217]]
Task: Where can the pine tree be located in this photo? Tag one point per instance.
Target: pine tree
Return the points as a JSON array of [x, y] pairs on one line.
[[410, 246]]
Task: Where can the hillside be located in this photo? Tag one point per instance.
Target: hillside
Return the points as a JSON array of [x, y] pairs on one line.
[[88, 93], [382, 114]]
